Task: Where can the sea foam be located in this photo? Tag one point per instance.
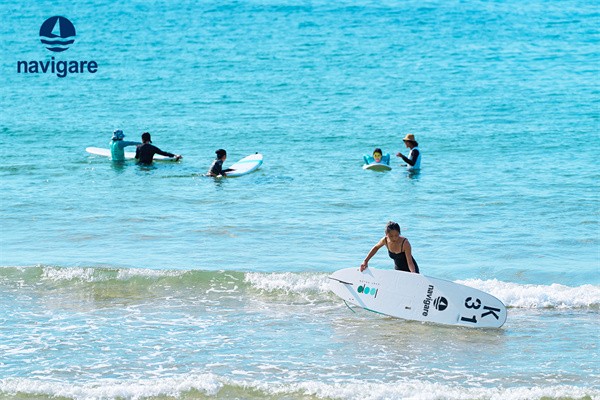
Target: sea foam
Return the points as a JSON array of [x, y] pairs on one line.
[[215, 386]]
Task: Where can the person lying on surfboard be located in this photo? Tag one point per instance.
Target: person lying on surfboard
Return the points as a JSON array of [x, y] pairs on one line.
[[378, 158], [117, 145], [216, 167], [398, 247], [146, 151]]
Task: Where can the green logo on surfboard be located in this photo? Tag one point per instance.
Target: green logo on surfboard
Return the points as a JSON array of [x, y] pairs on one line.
[[367, 290]]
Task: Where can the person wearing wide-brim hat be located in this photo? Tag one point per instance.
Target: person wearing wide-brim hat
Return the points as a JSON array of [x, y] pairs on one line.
[[414, 156]]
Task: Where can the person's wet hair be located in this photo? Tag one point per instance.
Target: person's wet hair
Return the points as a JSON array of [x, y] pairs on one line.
[[377, 150], [220, 153], [392, 226]]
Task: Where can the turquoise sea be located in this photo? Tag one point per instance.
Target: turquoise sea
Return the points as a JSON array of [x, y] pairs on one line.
[[124, 282]]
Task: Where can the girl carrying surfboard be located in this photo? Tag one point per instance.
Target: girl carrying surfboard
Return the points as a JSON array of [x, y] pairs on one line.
[[399, 250]]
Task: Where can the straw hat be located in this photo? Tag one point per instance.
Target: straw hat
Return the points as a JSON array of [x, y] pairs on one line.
[[409, 138]]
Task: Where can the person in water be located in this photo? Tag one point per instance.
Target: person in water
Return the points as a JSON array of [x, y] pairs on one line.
[[145, 152], [398, 248], [378, 158], [216, 167], [117, 145], [414, 156], [377, 153]]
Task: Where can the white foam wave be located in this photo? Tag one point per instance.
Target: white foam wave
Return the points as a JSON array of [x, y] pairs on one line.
[[416, 390], [310, 283], [90, 274], [512, 294], [289, 282], [112, 389], [211, 385], [126, 274], [539, 296], [67, 274]]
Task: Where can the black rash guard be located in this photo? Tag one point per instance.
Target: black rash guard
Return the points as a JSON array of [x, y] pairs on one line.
[[145, 153], [216, 168]]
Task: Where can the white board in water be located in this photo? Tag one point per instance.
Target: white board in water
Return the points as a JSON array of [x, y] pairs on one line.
[[129, 155], [418, 297], [245, 165], [377, 167]]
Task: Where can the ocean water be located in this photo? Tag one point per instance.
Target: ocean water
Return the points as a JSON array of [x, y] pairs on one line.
[[124, 282]]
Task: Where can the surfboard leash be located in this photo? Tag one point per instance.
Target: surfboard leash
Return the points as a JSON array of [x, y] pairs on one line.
[[340, 281], [349, 306]]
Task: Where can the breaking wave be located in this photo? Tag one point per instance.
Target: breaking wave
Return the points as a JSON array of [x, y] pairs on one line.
[[312, 285]]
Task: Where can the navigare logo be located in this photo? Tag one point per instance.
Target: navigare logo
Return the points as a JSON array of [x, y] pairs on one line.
[[57, 34], [441, 303]]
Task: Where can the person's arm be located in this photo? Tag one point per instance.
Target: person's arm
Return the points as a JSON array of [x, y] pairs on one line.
[[374, 250], [412, 160], [167, 154], [137, 153], [123, 144], [409, 258]]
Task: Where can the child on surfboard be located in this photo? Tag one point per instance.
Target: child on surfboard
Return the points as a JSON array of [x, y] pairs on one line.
[[216, 167], [377, 157]]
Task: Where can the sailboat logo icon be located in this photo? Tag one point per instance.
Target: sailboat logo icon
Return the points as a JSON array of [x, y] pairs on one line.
[[57, 33]]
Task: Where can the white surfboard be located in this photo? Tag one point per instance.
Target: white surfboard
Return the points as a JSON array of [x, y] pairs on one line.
[[418, 297], [246, 165], [377, 167], [129, 155], [382, 165]]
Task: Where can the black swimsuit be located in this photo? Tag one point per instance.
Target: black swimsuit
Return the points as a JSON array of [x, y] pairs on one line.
[[400, 262]]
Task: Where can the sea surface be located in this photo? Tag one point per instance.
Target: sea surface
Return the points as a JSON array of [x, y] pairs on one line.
[[126, 282]]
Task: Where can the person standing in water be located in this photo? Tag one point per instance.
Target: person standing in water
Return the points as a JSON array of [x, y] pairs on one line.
[[414, 156], [117, 145], [216, 167], [398, 247], [146, 151]]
